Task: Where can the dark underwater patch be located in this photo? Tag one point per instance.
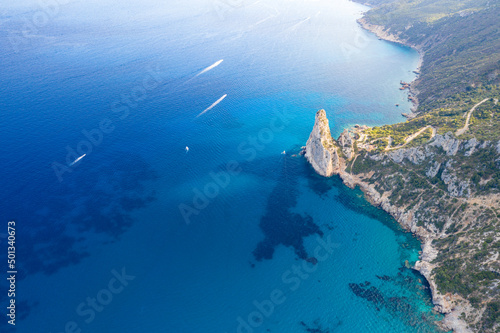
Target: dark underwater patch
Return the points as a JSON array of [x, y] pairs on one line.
[[399, 297], [354, 199], [317, 327], [371, 294], [95, 200], [279, 225], [319, 184]]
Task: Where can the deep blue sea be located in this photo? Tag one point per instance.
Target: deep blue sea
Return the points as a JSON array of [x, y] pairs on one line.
[[232, 235]]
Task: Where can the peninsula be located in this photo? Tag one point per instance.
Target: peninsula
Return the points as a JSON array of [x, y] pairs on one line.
[[438, 173]]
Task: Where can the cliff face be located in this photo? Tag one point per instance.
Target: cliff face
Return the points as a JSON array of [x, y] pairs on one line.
[[433, 192], [446, 189], [321, 149]]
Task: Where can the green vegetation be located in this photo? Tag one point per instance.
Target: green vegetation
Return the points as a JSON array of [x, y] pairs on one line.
[[449, 115], [485, 120], [453, 196], [459, 38], [362, 164], [465, 264], [492, 314], [424, 137], [397, 15], [452, 277]]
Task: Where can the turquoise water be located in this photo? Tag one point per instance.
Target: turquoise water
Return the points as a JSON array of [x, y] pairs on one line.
[[268, 246]]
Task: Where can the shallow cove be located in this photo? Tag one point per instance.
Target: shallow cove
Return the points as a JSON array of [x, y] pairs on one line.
[[119, 209]]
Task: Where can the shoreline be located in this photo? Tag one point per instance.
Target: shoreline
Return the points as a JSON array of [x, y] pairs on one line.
[[448, 305], [382, 34], [331, 157]]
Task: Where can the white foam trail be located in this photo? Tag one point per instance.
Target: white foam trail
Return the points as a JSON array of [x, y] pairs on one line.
[[213, 105], [79, 158], [295, 26], [264, 20], [210, 67]]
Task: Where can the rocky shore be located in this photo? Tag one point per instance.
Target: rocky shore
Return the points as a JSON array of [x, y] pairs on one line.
[[332, 157], [435, 174], [382, 33], [449, 305], [442, 304]]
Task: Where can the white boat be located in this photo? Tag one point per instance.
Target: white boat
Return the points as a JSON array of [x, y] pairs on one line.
[[78, 159]]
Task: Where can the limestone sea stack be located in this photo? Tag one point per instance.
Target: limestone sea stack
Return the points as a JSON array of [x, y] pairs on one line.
[[321, 149]]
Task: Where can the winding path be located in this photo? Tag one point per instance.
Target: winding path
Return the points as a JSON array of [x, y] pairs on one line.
[[466, 126], [413, 136]]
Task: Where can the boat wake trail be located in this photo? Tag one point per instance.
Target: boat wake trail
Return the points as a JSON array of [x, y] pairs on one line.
[[213, 105], [210, 67], [77, 160], [295, 26]]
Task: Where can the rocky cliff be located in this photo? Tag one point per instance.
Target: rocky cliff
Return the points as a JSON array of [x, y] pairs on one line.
[[444, 186], [438, 191], [321, 149]]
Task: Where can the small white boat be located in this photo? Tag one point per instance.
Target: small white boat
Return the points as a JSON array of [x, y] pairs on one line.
[[283, 153], [78, 159], [187, 149]]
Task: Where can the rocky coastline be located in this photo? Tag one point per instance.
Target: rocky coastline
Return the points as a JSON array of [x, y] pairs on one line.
[[345, 150], [384, 34], [445, 304], [435, 174], [406, 219]]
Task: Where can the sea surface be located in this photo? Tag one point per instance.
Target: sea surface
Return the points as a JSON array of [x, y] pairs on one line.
[[236, 233]]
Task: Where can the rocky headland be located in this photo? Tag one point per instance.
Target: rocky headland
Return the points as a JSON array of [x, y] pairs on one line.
[[438, 173], [321, 150], [428, 189]]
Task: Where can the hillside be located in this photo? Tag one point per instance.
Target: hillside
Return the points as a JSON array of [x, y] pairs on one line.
[[460, 40], [445, 188], [438, 174]]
